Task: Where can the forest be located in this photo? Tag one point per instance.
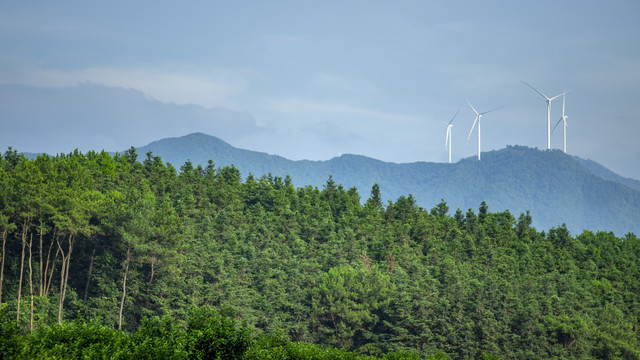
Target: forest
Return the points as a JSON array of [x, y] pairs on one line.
[[102, 250], [554, 187]]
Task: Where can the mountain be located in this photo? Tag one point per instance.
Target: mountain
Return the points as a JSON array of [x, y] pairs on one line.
[[556, 188], [607, 174]]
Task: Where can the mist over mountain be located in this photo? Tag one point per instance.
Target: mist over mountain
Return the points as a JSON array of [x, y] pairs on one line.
[[95, 117], [556, 188]]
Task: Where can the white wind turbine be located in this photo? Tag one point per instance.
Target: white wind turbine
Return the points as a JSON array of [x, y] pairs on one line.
[[548, 112], [564, 130], [447, 142], [477, 120]]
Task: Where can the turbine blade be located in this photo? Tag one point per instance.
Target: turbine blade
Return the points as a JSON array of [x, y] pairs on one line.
[[557, 96], [454, 116], [472, 126], [474, 109], [563, 98], [536, 90], [446, 141], [499, 107], [558, 123]]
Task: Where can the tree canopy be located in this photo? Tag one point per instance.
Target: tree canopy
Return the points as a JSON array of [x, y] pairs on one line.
[[128, 242]]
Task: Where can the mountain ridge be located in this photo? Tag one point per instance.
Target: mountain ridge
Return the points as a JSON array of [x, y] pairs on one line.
[[603, 172], [556, 188]]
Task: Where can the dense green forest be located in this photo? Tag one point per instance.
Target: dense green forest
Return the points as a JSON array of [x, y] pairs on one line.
[[555, 187], [144, 247]]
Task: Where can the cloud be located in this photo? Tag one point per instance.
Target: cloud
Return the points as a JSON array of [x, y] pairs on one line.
[[205, 88], [331, 133], [299, 106], [40, 119]]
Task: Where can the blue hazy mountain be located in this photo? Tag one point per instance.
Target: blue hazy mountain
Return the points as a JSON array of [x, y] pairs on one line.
[[607, 174], [556, 188]]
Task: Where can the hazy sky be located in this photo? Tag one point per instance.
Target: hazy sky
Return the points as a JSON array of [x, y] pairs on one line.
[[317, 79]]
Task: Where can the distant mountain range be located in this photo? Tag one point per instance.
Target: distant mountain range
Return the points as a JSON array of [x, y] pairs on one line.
[[556, 188]]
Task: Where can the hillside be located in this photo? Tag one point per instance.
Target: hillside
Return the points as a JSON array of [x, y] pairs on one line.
[[556, 188], [607, 174], [139, 246]]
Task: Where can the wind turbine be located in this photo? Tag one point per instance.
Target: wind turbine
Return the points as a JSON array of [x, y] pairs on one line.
[[548, 112], [447, 142], [564, 130], [477, 120]]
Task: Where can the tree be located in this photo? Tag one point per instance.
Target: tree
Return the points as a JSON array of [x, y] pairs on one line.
[[7, 208], [375, 200], [482, 212], [441, 209], [77, 205], [347, 302], [136, 229], [6, 229], [313, 265]]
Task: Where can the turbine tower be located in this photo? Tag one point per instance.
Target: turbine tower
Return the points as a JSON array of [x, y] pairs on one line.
[[564, 130], [548, 112], [477, 120], [447, 142]]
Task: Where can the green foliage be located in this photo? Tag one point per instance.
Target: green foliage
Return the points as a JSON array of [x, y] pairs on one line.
[[211, 335], [157, 338], [274, 347], [553, 186], [308, 272], [74, 340], [10, 337], [347, 303]]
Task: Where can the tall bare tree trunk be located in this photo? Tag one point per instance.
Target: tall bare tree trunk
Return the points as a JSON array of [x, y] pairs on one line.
[[31, 283], [47, 283], [24, 243], [64, 276], [41, 274], [62, 271], [124, 286], [4, 243], [153, 261], [53, 264], [93, 255]]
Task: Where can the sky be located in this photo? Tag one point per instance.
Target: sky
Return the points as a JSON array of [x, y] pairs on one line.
[[317, 79]]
